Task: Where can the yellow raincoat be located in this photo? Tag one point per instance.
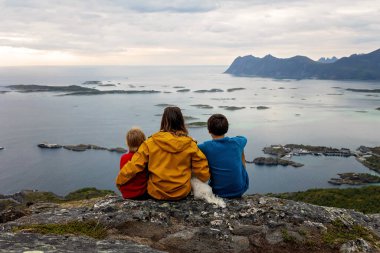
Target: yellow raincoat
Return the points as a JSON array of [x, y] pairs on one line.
[[171, 161]]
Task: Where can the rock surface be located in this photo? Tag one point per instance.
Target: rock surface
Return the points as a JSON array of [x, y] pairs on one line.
[[251, 224]]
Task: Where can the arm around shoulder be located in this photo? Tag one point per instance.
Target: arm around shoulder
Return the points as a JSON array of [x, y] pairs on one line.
[[131, 168]]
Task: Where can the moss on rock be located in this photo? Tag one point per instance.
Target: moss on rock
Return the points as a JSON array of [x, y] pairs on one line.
[[87, 193], [87, 228]]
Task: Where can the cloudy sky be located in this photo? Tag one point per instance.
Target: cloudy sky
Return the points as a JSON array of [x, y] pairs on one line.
[[182, 32]]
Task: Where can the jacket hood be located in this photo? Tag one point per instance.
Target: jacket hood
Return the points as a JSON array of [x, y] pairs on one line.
[[170, 142]]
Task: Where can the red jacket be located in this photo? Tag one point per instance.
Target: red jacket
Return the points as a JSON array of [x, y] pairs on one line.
[[137, 185]]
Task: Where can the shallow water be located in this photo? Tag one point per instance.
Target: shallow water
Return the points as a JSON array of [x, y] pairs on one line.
[[302, 112]]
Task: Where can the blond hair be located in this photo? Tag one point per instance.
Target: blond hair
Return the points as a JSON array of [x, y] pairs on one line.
[[135, 137]]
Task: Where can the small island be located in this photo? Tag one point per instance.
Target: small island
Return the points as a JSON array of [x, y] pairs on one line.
[[231, 108], [271, 161], [202, 106], [92, 83], [206, 91], [351, 178], [183, 90], [197, 124], [234, 89], [81, 147], [300, 149], [261, 107]]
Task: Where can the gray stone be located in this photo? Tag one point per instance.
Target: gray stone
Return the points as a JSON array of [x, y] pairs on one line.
[[356, 246], [247, 230], [22, 242], [189, 225], [274, 237], [239, 243]]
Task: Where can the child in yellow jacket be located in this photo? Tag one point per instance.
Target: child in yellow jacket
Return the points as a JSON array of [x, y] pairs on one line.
[[172, 157]]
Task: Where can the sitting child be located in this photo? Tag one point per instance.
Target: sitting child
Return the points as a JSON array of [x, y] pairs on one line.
[[229, 178], [136, 187]]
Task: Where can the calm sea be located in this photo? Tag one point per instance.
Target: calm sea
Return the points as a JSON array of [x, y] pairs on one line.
[[315, 112]]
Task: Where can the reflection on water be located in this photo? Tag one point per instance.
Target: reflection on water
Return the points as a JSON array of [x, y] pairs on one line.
[[302, 112]]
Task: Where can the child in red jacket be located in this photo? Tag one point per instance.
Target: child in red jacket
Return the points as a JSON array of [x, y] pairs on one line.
[[136, 187]]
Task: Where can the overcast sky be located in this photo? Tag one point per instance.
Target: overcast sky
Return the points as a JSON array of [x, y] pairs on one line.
[[182, 32]]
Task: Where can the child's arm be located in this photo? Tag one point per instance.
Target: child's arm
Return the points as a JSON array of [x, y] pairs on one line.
[[199, 165], [131, 168]]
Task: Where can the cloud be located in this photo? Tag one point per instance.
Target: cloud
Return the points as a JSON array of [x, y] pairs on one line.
[[201, 32], [181, 6]]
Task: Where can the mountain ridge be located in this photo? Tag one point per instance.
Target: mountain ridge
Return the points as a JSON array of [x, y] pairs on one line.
[[354, 67]]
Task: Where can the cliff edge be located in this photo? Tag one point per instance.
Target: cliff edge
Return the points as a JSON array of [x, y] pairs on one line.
[[253, 223]]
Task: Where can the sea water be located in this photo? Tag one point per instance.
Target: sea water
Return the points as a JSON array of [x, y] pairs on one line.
[[313, 112]]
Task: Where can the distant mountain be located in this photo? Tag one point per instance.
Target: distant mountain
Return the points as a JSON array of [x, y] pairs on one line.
[[327, 60], [355, 67]]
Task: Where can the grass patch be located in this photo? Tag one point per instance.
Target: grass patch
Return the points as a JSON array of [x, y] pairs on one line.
[[365, 199], [49, 197], [88, 228], [36, 196], [339, 233], [87, 193], [288, 238]]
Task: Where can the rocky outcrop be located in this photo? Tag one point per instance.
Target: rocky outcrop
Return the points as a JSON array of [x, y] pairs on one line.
[[202, 106], [364, 90], [271, 161], [250, 224], [261, 107], [235, 89], [232, 108], [183, 90], [355, 179], [80, 147], [196, 124], [209, 91], [92, 83], [300, 149]]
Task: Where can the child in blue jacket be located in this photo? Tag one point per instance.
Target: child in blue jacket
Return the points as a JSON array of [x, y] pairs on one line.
[[225, 155]]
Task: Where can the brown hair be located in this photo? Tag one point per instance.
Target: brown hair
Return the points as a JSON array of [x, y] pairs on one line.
[[217, 124], [172, 121], [135, 137]]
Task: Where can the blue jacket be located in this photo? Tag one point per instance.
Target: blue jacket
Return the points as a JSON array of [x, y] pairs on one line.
[[229, 178]]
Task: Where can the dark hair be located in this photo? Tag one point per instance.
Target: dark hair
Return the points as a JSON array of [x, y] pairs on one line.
[[217, 124], [172, 120]]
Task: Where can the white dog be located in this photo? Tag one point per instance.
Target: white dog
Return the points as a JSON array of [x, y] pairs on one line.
[[203, 191]]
